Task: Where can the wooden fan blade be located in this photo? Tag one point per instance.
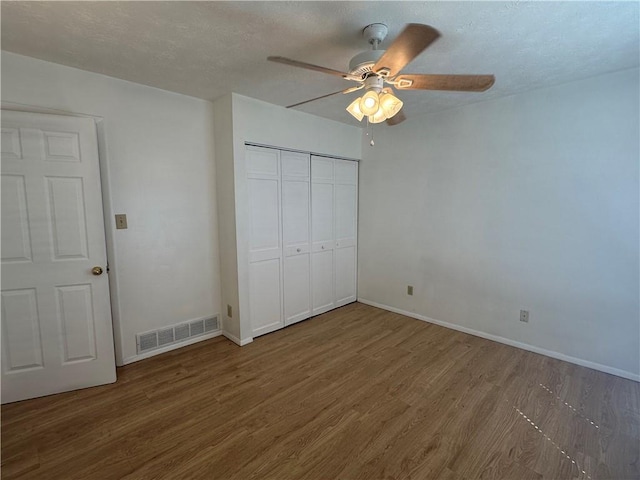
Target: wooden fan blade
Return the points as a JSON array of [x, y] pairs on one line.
[[308, 66], [353, 89], [314, 99], [407, 46], [459, 83], [396, 119]]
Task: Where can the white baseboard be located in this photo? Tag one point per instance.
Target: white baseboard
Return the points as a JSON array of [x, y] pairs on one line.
[[168, 348], [506, 341], [236, 340]]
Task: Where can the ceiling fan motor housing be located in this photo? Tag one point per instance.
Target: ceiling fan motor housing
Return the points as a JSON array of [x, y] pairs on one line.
[[362, 63], [374, 82]]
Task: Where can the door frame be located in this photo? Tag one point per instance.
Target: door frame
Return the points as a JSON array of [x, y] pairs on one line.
[[107, 210]]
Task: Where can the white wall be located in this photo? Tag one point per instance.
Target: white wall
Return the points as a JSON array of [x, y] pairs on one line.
[[262, 123], [525, 202], [160, 159], [223, 112]]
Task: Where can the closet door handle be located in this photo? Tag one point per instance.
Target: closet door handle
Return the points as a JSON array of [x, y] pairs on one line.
[[298, 250]]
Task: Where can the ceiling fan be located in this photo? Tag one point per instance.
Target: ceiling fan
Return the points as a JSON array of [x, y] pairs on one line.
[[377, 71]]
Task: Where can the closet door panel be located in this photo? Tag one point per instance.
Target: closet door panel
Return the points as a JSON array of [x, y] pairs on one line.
[[346, 224], [297, 288], [264, 296], [321, 169], [262, 161], [295, 212], [322, 281], [264, 218], [296, 234], [345, 247], [346, 172], [295, 165], [322, 234], [322, 212], [265, 240], [346, 211], [345, 275]]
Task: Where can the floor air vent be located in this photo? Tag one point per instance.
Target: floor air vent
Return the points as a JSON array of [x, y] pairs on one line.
[[165, 336], [211, 324], [196, 328], [147, 341], [182, 331], [175, 334]]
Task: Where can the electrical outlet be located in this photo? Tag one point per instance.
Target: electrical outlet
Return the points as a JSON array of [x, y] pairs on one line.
[[229, 311], [409, 289], [524, 316]]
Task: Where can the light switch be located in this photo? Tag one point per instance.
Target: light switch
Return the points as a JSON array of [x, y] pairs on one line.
[[121, 221]]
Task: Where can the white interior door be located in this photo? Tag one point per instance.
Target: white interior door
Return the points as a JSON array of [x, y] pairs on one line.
[[265, 245], [322, 232], [56, 318], [346, 226], [296, 233]]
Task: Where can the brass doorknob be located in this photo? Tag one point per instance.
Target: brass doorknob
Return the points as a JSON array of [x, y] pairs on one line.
[[96, 270]]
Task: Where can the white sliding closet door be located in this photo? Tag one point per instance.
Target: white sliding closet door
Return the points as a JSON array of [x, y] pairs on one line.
[[322, 234], [346, 221], [296, 233], [265, 245], [302, 215]]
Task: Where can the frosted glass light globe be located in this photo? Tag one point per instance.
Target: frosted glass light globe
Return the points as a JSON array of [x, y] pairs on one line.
[[390, 104], [369, 103], [354, 109], [378, 117]]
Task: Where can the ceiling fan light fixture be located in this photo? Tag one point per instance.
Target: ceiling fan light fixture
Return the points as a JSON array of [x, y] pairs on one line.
[[390, 104], [374, 68], [354, 109], [386, 105], [369, 103]]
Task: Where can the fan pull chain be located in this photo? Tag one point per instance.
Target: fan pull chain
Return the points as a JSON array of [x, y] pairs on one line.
[[369, 133]]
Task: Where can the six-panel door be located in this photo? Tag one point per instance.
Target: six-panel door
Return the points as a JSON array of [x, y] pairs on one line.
[[56, 318]]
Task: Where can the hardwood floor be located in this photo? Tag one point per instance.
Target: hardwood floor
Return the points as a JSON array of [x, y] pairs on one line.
[[357, 393]]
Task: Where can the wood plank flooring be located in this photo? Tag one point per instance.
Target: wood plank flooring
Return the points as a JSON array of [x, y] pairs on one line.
[[356, 393]]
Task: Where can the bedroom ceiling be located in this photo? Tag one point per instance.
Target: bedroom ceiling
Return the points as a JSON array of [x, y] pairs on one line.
[[208, 49]]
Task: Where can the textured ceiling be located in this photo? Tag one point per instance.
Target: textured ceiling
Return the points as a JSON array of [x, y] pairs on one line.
[[208, 49]]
